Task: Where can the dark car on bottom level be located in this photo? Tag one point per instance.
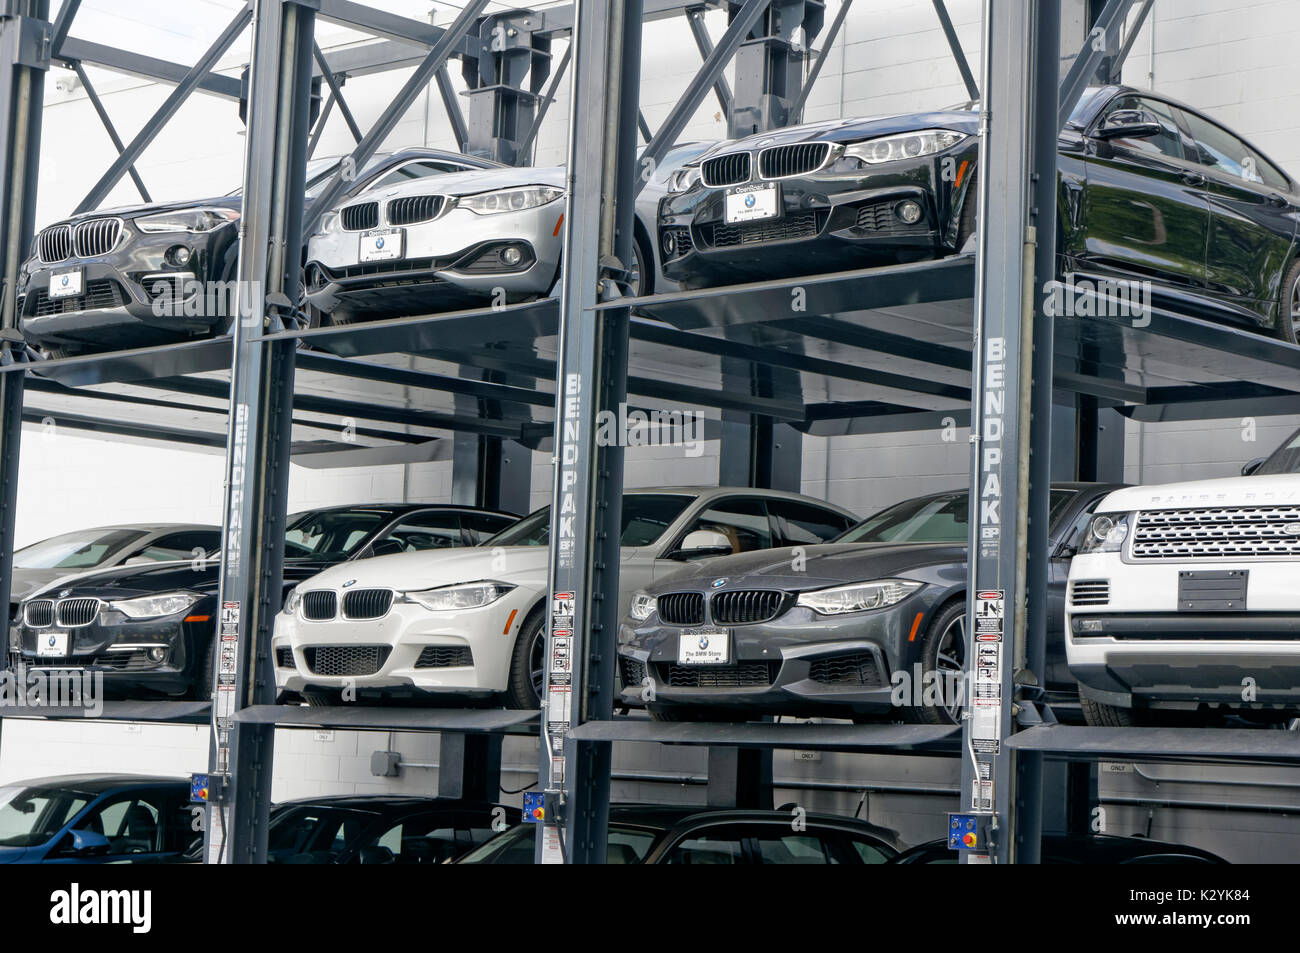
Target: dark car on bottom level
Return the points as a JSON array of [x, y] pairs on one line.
[[95, 819], [1079, 849], [152, 274], [150, 629], [838, 629], [644, 834], [381, 829], [1150, 190]]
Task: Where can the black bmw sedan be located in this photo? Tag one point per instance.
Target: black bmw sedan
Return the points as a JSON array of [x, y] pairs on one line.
[[869, 624], [153, 274], [151, 629], [1151, 192]]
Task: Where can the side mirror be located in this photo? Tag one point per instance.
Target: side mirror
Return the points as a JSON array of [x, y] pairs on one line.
[[376, 854], [1129, 124], [1254, 465], [703, 542], [89, 843]]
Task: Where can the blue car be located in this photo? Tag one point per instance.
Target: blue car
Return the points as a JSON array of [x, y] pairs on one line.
[[95, 819]]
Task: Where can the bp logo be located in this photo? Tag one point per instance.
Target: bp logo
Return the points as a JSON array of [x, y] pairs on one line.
[[718, 583]]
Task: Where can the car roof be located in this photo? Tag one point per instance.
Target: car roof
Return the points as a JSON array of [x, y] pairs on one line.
[[382, 802], [395, 509], [96, 783], [148, 527]]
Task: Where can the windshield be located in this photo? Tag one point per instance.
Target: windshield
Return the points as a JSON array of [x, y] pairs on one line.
[[626, 845], [331, 535], [646, 516], [1285, 459], [85, 549], [31, 816], [319, 833], [321, 171], [931, 519]]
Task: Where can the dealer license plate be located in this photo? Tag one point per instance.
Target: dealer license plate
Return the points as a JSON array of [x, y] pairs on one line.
[[382, 244], [750, 203], [65, 284], [705, 645], [50, 643]]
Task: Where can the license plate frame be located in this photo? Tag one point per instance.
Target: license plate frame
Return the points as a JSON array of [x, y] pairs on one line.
[[704, 645], [378, 245], [753, 203], [66, 284], [52, 643]]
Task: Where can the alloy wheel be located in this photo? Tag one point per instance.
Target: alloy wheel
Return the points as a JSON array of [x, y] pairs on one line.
[[950, 664]]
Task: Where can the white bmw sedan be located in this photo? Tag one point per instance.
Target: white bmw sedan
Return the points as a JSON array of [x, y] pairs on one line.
[[470, 622]]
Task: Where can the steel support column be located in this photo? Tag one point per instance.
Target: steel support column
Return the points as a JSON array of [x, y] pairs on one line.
[[1000, 458], [770, 66], [505, 85], [586, 509], [24, 60], [261, 405]]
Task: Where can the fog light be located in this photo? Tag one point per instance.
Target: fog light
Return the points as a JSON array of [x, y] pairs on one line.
[[511, 255], [179, 255], [1088, 625], [157, 654], [909, 212], [669, 243]]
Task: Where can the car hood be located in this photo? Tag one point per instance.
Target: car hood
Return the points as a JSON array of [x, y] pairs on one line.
[[470, 183], [135, 211], [852, 130], [125, 582], [25, 582], [519, 565], [1231, 491], [829, 564]]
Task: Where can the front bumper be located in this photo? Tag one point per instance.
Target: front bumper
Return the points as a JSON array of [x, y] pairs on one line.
[[410, 650], [451, 260], [800, 663], [827, 222], [133, 296], [120, 650], [1138, 648]]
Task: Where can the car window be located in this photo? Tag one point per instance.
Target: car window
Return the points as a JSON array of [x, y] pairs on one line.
[[331, 535], [29, 817], [933, 519], [420, 169], [429, 839], [646, 517], [132, 823], [180, 546], [793, 848], [420, 531], [1285, 459], [516, 846], [84, 549], [799, 523], [1225, 153], [723, 846], [869, 852], [310, 835], [743, 522], [481, 526], [1170, 140]]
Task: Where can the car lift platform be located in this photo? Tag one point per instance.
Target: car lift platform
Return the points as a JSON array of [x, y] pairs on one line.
[[393, 718], [1229, 745], [883, 738], [154, 712]]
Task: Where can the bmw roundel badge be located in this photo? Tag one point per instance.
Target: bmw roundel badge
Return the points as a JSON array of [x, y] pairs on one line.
[[750, 200], [379, 243], [704, 642], [350, 582], [718, 583]]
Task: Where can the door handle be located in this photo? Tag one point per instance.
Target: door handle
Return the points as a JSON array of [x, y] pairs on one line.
[[1193, 178]]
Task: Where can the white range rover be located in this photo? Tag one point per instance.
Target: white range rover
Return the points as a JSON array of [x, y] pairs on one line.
[[469, 622], [1186, 598]]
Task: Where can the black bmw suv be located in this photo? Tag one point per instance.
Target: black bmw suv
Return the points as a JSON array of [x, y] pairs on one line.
[[151, 630]]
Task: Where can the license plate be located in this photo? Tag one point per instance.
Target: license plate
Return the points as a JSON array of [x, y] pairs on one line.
[[382, 244], [52, 644], [65, 284], [704, 646], [752, 202]]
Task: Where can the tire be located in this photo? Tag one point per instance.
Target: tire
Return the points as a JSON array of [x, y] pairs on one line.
[[524, 689], [1100, 715], [943, 650], [966, 226], [643, 268], [202, 690], [1288, 310]]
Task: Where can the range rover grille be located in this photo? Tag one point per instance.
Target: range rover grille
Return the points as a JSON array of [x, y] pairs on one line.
[[1227, 532]]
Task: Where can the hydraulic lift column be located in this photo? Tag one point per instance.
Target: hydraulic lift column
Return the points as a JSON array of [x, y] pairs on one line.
[[261, 418]]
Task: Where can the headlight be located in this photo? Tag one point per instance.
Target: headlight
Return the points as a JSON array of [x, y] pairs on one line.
[[15, 639], [329, 222], [471, 595], [683, 179], [1106, 533], [187, 220], [908, 145], [150, 607], [509, 200], [859, 596], [291, 601], [643, 607]]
